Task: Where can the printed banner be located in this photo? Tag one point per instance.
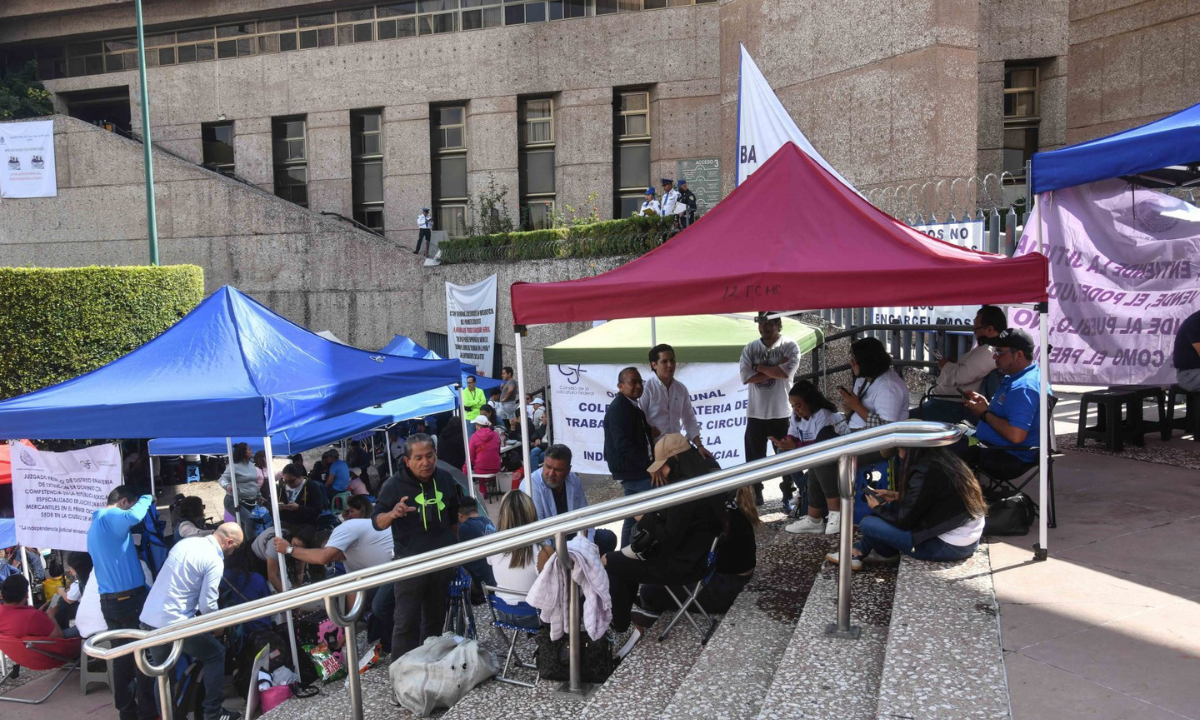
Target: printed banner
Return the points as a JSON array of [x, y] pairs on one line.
[[471, 322], [55, 494], [764, 125], [1123, 277], [967, 234], [27, 160], [581, 394]]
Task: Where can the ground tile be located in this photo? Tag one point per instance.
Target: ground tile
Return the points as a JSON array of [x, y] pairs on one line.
[[1166, 553], [1040, 691]]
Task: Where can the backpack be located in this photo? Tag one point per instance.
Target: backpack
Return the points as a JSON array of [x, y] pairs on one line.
[[187, 685], [153, 548], [1010, 516]]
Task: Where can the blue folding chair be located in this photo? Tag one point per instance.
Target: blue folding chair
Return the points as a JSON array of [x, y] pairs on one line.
[[460, 619], [710, 569], [516, 619]]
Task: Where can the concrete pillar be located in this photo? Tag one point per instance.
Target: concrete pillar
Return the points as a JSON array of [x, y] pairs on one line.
[[407, 175]]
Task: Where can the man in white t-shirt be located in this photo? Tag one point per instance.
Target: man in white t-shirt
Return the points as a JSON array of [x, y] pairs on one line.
[[767, 367]]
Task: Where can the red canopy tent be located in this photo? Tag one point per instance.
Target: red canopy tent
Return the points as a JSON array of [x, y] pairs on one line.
[[790, 237]]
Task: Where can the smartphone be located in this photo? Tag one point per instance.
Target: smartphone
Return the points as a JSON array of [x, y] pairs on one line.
[[966, 395], [936, 355], [843, 389], [872, 491]]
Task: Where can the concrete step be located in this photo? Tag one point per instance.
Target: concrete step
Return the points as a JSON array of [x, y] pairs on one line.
[[825, 677], [943, 657], [731, 677]]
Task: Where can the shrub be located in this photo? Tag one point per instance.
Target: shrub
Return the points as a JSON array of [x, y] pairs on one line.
[[629, 236], [59, 323]]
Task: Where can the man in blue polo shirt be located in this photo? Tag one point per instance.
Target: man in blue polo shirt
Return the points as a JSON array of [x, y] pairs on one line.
[[1008, 422], [122, 586]]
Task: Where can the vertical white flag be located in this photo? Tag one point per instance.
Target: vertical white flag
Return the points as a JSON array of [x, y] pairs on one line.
[[764, 125], [27, 160], [471, 322]]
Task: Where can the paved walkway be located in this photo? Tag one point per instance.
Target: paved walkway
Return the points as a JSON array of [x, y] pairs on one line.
[[1109, 626]]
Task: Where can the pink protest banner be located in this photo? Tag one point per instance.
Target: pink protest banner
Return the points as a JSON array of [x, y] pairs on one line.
[[1124, 274]]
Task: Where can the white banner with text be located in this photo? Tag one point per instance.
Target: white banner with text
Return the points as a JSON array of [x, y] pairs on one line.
[[55, 494], [471, 323], [27, 160], [581, 393]]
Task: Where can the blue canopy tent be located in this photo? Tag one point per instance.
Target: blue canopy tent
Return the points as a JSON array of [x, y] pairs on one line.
[[1164, 153], [229, 367], [407, 347]]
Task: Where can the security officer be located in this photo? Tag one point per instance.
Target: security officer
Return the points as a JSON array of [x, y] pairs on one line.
[[424, 231], [650, 203], [688, 198], [670, 196]]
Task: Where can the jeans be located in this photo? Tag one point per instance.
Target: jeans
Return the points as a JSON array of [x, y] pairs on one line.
[[757, 432], [210, 650], [823, 479], [1189, 380], [121, 611], [536, 456], [632, 487], [420, 610], [939, 410], [383, 617], [887, 539]]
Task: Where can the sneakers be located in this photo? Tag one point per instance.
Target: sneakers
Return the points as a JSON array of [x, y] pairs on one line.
[[787, 506], [874, 558], [806, 526], [855, 563], [227, 714], [833, 523], [642, 617], [633, 640]]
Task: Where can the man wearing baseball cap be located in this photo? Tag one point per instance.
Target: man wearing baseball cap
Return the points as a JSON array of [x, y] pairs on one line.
[[1008, 422]]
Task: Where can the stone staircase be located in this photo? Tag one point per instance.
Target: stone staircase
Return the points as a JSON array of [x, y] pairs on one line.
[[929, 649]]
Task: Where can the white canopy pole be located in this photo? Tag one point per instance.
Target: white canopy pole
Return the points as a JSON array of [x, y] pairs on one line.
[[28, 575], [521, 400], [462, 416], [237, 505], [283, 576], [150, 459], [387, 436], [653, 332], [1041, 550]]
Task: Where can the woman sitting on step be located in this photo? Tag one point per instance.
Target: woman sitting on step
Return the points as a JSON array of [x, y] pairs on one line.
[[937, 513]]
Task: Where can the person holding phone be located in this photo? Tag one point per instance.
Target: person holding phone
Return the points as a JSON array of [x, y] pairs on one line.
[[812, 414], [945, 403], [419, 504]]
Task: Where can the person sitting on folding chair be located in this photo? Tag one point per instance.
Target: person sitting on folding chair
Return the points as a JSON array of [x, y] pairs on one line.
[[670, 546], [1009, 425], [944, 401], [18, 618]]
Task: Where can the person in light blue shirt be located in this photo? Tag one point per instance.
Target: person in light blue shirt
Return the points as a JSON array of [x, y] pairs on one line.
[[338, 478], [556, 490], [189, 584], [1009, 423], [122, 585]]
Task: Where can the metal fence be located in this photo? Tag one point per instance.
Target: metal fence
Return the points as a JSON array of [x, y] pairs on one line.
[[520, 251]]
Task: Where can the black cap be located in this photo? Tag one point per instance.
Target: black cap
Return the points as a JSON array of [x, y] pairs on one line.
[[765, 316], [1014, 338]]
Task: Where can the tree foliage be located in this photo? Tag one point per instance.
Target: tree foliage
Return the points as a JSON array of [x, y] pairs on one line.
[[22, 95]]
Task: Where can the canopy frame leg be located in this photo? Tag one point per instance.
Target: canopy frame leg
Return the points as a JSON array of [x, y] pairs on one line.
[[283, 575]]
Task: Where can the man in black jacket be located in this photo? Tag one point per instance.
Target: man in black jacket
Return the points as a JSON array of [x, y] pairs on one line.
[[627, 440], [420, 506]]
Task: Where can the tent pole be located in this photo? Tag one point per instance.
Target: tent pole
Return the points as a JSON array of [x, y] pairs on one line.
[[521, 400], [387, 436], [28, 575], [151, 465], [283, 575], [237, 504], [462, 417], [653, 332], [1041, 550]]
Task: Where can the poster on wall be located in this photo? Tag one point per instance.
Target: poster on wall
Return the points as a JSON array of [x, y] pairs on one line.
[[471, 322], [581, 394], [703, 176], [55, 494], [1123, 278], [27, 160]]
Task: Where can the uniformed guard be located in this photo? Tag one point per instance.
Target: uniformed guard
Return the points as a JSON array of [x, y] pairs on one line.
[[670, 196], [650, 204], [687, 198]]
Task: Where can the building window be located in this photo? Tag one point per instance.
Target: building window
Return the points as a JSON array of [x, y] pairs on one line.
[[1021, 118], [449, 146], [366, 156], [632, 153], [291, 159], [217, 139], [536, 162]]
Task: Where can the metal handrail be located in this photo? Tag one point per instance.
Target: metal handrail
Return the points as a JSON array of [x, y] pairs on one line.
[[901, 434]]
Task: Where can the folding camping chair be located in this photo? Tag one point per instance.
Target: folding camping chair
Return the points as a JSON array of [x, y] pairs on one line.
[[998, 487], [40, 653], [689, 600], [518, 619], [460, 618]]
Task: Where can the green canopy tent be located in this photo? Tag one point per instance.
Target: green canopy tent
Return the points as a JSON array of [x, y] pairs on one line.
[[696, 338]]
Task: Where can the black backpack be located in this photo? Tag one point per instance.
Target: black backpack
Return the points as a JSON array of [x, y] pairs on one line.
[[1010, 516]]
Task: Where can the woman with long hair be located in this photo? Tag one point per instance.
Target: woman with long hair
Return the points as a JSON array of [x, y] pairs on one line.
[[813, 418], [879, 396], [517, 569], [670, 546], [937, 512]]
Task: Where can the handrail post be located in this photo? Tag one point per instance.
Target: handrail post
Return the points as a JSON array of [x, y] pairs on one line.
[[161, 675], [847, 469], [574, 684], [348, 621]]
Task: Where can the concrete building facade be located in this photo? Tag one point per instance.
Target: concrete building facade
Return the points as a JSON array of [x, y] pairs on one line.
[[373, 110]]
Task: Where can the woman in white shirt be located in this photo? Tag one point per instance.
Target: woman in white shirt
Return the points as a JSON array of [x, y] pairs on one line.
[[880, 396], [518, 569], [813, 419]]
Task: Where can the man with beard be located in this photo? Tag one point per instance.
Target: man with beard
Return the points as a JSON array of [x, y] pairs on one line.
[[555, 489]]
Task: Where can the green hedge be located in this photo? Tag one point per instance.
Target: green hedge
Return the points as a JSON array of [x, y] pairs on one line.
[[56, 324], [630, 236]]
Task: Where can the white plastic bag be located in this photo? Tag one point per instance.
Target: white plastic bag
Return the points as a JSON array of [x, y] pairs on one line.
[[439, 673]]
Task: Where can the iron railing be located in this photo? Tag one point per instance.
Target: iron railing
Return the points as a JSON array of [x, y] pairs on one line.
[[330, 592]]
